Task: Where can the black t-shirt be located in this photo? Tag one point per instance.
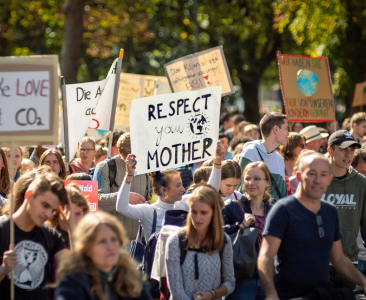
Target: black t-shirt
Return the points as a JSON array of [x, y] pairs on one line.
[[34, 250], [302, 261]]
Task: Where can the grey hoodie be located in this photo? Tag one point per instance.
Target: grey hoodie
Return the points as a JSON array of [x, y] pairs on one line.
[[349, 197]]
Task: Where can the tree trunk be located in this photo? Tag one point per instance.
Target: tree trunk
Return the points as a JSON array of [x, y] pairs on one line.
[[71, 47], [250, 95]]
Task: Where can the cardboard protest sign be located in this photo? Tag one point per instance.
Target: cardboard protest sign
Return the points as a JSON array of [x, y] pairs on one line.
[[306, 88], [133, 86], [359, 98], [29, 98], [172, 130], [203, 69], [83, 111], [89, 189]]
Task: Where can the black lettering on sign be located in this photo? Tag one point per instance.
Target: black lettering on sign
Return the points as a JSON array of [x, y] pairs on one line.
[[184, 151], [159, 111], [82, 94], [151, 112], [175, 152], [161, 156], [172, 108], [152, 158], [99, 92], [194, 150], [29, 118], [3, 89], [207, 142]]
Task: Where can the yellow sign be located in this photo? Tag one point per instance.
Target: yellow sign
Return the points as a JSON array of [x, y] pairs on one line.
[[203, 69], [359, 98], [133, 86], [306, 88]]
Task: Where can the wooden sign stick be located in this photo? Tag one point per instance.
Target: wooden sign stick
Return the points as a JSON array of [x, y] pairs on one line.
[[11, 199]]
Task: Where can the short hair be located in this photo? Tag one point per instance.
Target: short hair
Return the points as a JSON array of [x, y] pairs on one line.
[[59, 159], [293, 141], [79, 176], [270, 120], [302, 153], [360, 155], [116, 135], [88, 139], [238, 118], [239, 140], [225, 117], [249, 128], [223, 136], [124, 145], [202, 173], [100, 151], [304, 157], [242, 126], [358, 118]]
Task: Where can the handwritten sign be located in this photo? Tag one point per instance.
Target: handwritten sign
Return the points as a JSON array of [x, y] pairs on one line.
[[359, 97], [89, 105], [133, 86], [29, 98], [172, 130], [306, 88], [89, 189], [203, 69]]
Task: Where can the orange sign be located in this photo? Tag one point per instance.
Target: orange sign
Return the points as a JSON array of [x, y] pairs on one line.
[[306, 88], [89, 190], [359, 98]]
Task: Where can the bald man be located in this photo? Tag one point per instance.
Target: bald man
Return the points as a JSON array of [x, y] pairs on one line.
[[304, 233]]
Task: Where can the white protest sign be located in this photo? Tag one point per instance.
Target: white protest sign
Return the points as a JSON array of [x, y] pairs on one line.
[[172, 130], [29, 97], [83, 111], [133, 86], [203, 69]]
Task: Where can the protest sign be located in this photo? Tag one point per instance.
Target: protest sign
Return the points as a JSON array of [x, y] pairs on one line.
[[29, 98], [203, 69], [133, 86], [83, 111], [172, 130], [359, 98], [306, 88], [89, 189]]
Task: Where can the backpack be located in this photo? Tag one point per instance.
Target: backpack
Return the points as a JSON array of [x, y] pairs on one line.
[[112, 168]]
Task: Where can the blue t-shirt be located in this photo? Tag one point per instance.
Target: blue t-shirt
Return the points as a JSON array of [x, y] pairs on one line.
[[302, 261]]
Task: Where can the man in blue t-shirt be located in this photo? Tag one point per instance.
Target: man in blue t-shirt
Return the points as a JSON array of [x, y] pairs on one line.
[[304, 233]]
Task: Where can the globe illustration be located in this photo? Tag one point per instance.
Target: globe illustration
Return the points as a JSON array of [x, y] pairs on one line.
[[307, 81], [198, 124]]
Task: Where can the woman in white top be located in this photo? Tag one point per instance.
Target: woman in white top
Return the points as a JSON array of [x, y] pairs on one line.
[[166, 184], [230, 178]]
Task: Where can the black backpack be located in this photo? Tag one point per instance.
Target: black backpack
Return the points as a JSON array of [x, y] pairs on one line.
[[112, 167]]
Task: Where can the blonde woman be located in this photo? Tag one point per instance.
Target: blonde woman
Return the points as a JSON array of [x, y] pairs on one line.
[[199, 260], [98, 269], [86, 154], [250, 211]]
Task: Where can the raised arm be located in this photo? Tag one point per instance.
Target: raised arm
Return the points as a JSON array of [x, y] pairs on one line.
[[269, 248], [215, 176], [136, 212]]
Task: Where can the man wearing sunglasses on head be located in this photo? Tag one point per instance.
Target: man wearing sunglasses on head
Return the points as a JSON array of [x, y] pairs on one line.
[[347, 192], [302, 234]]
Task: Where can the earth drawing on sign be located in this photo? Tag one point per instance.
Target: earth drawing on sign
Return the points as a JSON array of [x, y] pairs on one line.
[[198, 124], [308, 82]]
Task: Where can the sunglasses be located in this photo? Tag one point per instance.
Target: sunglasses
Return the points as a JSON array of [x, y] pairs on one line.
[[319, 221]]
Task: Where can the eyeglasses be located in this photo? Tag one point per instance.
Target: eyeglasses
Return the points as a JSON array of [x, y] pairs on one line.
[[86, 150], [319, 221], [255, 179], [302, 146]]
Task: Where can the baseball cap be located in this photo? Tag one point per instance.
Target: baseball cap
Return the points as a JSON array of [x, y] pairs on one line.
[[343, 139]]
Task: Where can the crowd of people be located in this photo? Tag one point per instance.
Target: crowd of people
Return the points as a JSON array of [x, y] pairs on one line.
[[279, 212]]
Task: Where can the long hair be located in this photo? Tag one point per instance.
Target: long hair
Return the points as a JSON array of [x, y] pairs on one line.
[[62, 173], [161, 179], [263, 167], [4, 175], [230, 169], [214, 239], [294, 140], [128, 281]]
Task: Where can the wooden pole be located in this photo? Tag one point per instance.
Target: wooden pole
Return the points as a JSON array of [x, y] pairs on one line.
[[66, 124], [11, 198], [114, 103], [331, 84]]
